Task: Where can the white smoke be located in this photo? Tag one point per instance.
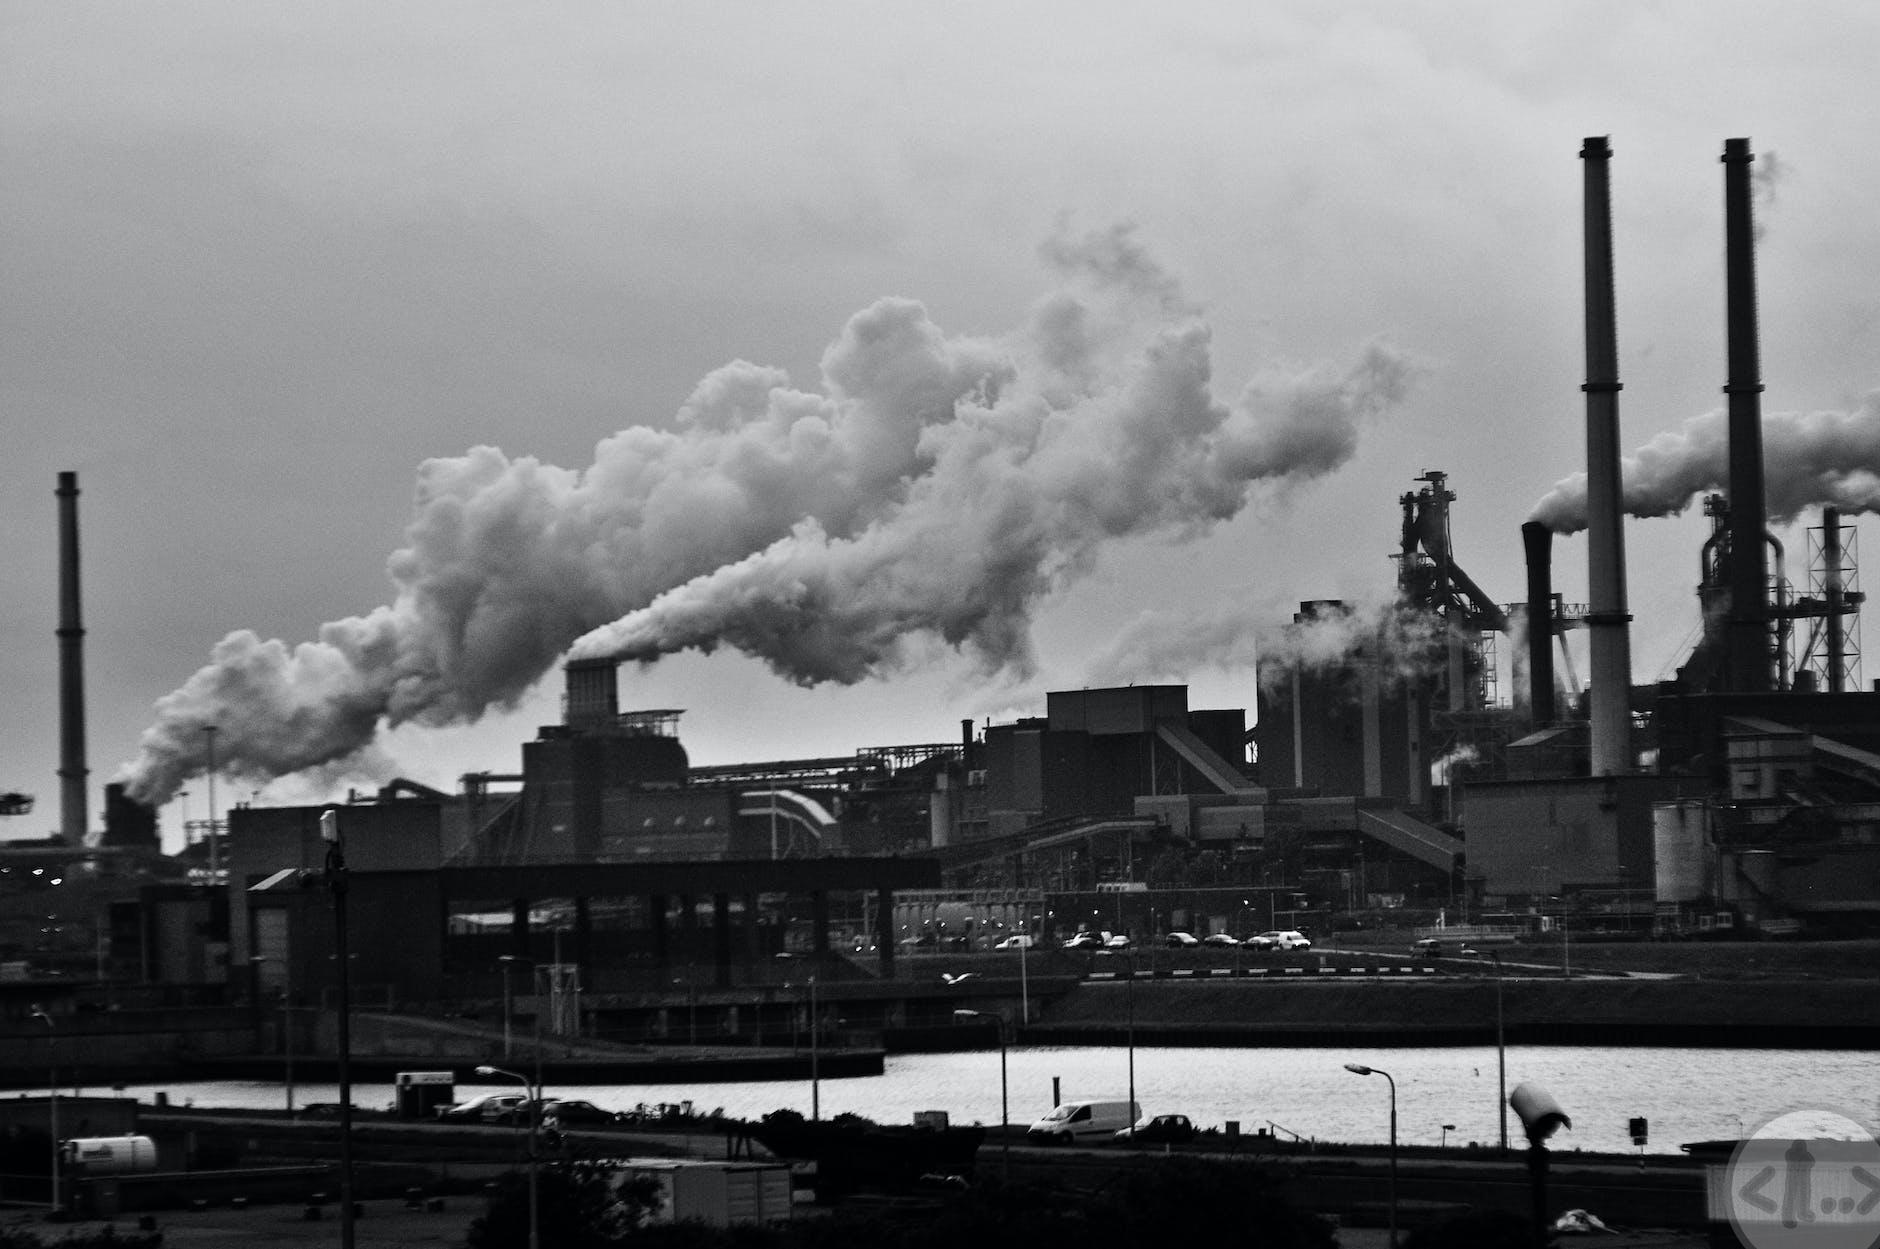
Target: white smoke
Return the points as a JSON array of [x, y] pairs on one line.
[[933, 491], [1172, 646], [1813, 459]]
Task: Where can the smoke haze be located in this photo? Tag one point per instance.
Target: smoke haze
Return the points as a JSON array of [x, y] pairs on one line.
[[931, 493], [1813, 459]]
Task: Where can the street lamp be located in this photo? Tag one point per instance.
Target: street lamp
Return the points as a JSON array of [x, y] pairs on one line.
[[1005, 1104], [52, 1100], [1362, 1070], [534, 1090], [336, 883], [506, 961], [1501, 1055]]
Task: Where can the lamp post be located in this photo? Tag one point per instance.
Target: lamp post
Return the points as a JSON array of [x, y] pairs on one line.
[[534, 1091], [336, 882], [815, 1074], [1362, 1070], [1130, 992], [506, 961], [1501, 1055], [1005, 1104], [52, 1100]]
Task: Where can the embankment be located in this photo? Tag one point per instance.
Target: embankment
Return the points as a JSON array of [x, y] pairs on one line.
[[1811, 1014]]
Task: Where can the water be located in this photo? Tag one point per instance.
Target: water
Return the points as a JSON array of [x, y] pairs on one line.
[[1686, 1094]]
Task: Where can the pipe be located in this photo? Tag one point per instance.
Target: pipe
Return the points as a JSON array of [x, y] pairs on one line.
[[1749, 574], [1608, 621], [1538, 540], [71, 633]]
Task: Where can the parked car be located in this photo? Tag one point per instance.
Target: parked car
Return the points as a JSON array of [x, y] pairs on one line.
[[1181, 940], [1160, 1130], [1287, 939], [1117, 941], [1220, 938], [1018, 941], [1084, 941], [486, 1108]]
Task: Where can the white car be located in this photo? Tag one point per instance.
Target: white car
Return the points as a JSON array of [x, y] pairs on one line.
[[1018, 941], [1181, 940], [1119, 941], [1288, 939]]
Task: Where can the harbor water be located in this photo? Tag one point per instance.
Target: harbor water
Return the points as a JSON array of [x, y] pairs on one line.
[[1684, 1094]]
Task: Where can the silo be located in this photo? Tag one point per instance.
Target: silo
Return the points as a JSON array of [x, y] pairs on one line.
[[1682, 862]]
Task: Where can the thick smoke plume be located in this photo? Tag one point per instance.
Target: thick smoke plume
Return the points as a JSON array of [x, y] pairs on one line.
[[932, 491], [1812, 459], [1160, 645]]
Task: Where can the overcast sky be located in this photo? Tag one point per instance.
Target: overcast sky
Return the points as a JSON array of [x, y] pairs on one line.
[[1051, 315]]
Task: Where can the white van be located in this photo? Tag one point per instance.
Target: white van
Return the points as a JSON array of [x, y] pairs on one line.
[[1076, 1121]]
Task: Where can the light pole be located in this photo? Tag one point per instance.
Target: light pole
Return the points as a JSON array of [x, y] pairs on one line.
[[52, 1100], [1005, 1104], [815, 1074], [1129, 991], [1362, 1070], [215, 853], [506, 961], [534, 1090], [336, 882], [1501, 1055]]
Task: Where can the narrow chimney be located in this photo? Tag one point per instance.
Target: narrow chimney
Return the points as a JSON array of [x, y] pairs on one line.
[[1835, 592], [1749, 650], [1608, 620], [1538, 540], [71, 633]]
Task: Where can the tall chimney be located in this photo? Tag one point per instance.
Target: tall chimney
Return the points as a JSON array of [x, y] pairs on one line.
[[1538, 540], [71, 632], [1835, 593], [1748, 638], [1608, 622]]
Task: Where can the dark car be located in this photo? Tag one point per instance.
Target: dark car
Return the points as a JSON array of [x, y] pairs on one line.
[[1161, 1130], [576, 1113]]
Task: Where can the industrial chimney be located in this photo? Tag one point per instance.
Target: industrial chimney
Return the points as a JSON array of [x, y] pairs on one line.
[[1748, 639], [1608, 621], [71, 633], [1538, 541]]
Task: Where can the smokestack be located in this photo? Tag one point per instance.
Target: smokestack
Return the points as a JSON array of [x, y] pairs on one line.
[[71, 633], [592, 693], [1538, 540], [1835, 592], [1749, 569], [1608, 621]]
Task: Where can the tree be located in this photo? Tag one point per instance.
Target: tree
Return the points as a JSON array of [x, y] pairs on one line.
[[582, 1204]]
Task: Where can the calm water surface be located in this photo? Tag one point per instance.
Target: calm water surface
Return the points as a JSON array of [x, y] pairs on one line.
[[1687, 1094]]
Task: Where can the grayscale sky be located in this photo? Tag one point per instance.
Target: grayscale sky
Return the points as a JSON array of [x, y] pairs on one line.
[[854, 369]]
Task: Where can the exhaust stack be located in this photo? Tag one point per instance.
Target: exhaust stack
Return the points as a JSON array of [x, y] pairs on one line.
[[1608, 621], [1538, 540], [1748, 640], [71, 633]]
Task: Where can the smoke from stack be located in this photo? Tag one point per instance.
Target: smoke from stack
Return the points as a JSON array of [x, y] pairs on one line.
[[934, 489], [1810, 459], [1156, 645]]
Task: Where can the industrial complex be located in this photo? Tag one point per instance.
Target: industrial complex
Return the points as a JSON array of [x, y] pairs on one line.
[[1395, 779]]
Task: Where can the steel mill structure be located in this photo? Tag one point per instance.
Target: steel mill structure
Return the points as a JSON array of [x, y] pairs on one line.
[[1743, 795]]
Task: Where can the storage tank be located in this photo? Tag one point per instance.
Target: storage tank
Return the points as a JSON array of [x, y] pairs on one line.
[[1682, 861], [108, 1155]]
